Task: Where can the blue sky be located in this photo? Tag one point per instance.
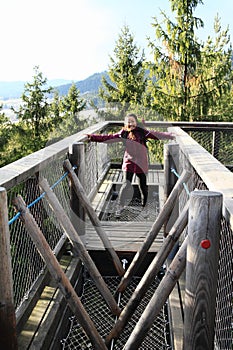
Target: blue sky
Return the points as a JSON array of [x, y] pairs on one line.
[[73, 39]]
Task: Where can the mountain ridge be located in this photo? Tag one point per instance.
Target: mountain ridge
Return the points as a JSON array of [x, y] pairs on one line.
[[14, 89]]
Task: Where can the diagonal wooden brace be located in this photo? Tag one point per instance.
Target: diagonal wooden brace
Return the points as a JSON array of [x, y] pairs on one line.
[[78, 245], [93, 217], [154, 231], [150, 274], [59, 276], [158, 300]]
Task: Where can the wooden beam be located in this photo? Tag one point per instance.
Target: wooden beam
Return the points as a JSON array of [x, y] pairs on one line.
[[77, 158], [8, 338], [158, 300], [202, 269], [162, 217], [149, 275], [58, 275], [94, 218], [79, 246]]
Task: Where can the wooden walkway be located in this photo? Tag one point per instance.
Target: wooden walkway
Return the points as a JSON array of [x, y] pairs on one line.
[[128, 232], [124, 236]]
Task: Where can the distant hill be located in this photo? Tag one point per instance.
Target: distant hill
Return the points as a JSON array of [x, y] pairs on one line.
[[89, 85], [14, 89]]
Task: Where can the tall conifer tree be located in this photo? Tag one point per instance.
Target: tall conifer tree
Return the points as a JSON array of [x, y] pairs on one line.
[[34, 118], [187, 76], [126, 72]]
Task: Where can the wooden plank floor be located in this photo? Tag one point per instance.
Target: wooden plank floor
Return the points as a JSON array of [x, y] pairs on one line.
[[115, 177], [124, 236]]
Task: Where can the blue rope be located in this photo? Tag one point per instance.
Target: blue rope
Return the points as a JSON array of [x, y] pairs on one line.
[[40, 197], [184, 184]]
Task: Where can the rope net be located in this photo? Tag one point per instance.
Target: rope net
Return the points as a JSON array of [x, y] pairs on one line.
[[157, 337]]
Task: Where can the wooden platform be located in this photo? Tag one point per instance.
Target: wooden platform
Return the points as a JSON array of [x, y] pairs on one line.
[[114, 177], [128, 232], [124, 236]]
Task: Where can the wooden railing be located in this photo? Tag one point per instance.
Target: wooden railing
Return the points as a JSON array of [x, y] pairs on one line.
[[207, 174], [185, 154]]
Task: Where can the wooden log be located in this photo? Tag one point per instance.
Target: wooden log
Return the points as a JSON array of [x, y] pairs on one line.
[[149, 275], [77, 158], [162, 217], [94, 219], [216, 143], [171, 161], [202, 269], [79, 246], [8, 338], [58, 275], [158, 300]]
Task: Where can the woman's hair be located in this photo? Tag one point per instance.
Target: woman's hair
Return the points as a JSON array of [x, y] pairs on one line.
[[140, 125], [132, 115]]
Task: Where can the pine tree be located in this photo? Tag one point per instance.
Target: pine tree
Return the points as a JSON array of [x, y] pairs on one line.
[[5, 136], [70, 106], [187, 76], [35, 122], [126, 72], [212, 94]]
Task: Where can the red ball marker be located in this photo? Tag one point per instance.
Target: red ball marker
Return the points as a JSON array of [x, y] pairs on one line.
[[205, 243]]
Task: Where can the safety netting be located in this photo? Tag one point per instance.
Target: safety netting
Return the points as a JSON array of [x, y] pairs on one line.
[[157, 337]]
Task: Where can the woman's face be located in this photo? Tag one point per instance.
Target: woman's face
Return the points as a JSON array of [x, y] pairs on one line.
[[130, 123]]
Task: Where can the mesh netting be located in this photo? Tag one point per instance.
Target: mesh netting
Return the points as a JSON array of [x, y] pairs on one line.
[[157, 337], [132, 212], [219, 143], [27, 264], [223, 319]]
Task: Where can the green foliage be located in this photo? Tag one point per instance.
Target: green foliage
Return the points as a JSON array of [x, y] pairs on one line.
[[66, 109], [5, 135], [212, 92], [127, 82], [188, 78], [35, 122], [41, 119]]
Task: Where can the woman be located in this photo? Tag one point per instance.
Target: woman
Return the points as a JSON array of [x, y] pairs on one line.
[[135, 159]]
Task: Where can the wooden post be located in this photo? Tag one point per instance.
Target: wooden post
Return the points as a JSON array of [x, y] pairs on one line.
[[149, 275], [77, 158], [79, 247], [202, 269], [216, 143], [59, 276], [8, 338], [94, 218], [158, 300], [170, 151], [163, 215]]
